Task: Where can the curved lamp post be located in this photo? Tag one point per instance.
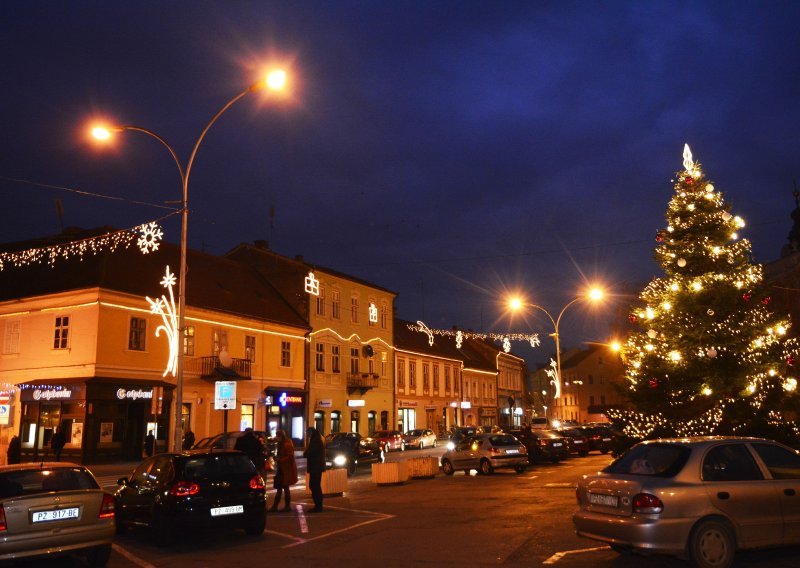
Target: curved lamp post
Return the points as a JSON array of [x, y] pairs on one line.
[[275, 81], [516, 304]]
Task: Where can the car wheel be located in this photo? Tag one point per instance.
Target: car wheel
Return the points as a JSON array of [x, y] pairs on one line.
[[256, 527], [711, 545], [486, 468], [98, 556], [519, 468], [447, 467]]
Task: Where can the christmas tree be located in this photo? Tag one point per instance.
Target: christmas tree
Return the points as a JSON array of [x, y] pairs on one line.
[[709, 355]]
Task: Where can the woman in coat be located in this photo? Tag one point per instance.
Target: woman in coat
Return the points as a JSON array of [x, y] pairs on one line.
[[286, 471]]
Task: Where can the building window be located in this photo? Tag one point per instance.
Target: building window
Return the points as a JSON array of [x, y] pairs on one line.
[[247, 418], [354, 360], [188, 340], [321, 301], [11, 339], [371, 365], [354, 310], [320, 357], [335, 366], [220, 341], [436, 379], [401, 373], [336, 305], [591, 400], [412, 375], [286, 354], [447, 381], [336, 422], [137, 334], [384, 419], [455, 380], [61, 336], [354, 419], [383, 363], [186, 417], [250, 348], [384, 316], [426, 378]]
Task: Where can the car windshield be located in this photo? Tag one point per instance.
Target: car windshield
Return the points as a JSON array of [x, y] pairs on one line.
[[415, 432], [503, 440], [338, 440], [658, 460], [28, 482]]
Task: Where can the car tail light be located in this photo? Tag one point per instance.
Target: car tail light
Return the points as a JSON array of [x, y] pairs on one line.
[[647, 503], [3, 526], [494, 451], [257, 482], [107, 507], [544, 442], [184, 489]]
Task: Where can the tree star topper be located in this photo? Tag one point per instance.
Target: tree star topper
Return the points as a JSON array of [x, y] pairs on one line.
[[169, 316]]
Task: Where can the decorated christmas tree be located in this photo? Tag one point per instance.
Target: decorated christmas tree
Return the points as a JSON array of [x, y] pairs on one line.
[[709, 355]]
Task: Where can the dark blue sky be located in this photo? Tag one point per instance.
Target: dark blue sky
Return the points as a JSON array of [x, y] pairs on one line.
[[448, 151]]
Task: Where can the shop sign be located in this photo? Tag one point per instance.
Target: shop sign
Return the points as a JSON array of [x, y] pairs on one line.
[[466, 404], [285, 399], [50, 394], [431, 407], [123, 394], [352, 403], [224, 395], [325, 403], [407, 403]]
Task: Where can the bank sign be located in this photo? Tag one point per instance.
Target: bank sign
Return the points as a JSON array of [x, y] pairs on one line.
[[123, 394]]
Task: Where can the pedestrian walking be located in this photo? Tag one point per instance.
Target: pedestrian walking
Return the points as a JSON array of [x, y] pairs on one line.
[[315, 465], [57, 442], [188, 439], [251, 445], [14, 452], [285, 471], [149, 444]]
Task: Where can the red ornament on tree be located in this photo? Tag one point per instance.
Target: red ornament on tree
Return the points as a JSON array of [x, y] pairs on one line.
[[746, 296], [791, 360], [653, 383], [766, 300], [659, 237], [688, 180], [632, 318]]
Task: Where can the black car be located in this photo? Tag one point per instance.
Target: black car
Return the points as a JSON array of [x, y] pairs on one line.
[[601, 439], [191, 490], [350, 450], [577, 439], [542, 445], [227, 441]]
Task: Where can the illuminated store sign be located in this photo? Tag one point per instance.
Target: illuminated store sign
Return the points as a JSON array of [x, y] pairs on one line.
[[123, 394], [285, 399], [50, 394]]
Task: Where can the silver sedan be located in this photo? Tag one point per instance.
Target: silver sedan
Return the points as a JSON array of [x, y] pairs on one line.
[[701, 498], [420, 438], [486, 453]]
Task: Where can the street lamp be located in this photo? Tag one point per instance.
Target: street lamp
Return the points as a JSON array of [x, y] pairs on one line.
[[515, 304], [275, 80]]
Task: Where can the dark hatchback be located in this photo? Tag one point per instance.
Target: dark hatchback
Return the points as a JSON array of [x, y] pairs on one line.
[[542, 445], [227, 441], [193, 489], [601, 438], [350, 450], [577, 439]]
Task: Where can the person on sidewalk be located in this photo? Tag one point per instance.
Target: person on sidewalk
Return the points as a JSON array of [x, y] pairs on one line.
[[285, 471], [251, 445], [149, 444], [14, 452], [188, 439], [315, 465], [57, 442]]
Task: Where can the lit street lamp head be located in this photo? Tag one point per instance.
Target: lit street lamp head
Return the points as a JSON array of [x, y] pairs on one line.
[[595, 294], [276, 80]]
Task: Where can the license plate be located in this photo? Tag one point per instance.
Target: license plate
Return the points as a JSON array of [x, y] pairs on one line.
[[605, 500], [512, 451], [231, 510], [606, 439], [55, 515], [557, 445], [578, 442]]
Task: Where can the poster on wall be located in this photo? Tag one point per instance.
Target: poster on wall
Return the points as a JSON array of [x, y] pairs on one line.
[[76, 434], [106, 432]]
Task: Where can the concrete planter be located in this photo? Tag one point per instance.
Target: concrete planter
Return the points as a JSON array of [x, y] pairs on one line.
[[391, 473], [334, 482], [423, 467]]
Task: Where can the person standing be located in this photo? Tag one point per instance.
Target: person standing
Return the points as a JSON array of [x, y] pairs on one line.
[[57, 442], [149, 444], [188, 439], [14, 452], [315, 465], [286, 471], [251, 445]]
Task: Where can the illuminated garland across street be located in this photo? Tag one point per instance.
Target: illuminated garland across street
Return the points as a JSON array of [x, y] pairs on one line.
[[505, 338], [146, 236]]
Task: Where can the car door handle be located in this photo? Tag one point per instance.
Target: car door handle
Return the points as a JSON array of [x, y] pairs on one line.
[[789, 492], [723, 495]]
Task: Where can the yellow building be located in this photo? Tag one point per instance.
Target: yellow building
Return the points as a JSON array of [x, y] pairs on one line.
[[80, 351], [350, 367]]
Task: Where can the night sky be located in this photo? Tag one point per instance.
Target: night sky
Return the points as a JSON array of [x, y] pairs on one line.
[[448, 151]]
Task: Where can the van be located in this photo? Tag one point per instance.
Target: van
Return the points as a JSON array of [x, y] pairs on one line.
[[539, 423]]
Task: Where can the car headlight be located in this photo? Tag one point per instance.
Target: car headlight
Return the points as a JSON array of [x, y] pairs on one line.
[[339, 460], [451, 446]]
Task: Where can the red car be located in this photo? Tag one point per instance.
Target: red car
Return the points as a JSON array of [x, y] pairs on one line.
[[390, 440]]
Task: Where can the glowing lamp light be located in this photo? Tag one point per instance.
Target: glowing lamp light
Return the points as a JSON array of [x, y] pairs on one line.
[[276, 80], [615, 346], [595, 294], [707, 391], [790, 385], [101, 133], [556, 423], [515, 303]]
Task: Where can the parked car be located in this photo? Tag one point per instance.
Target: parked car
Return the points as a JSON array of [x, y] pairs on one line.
[[577, 439], [542, 445], [390, 440], [350, 450], [227, 440], [486, 453], [459, 433], [698, 497], [539, 423], [420, 438], [601, 439], [48, 509], [194, 489]]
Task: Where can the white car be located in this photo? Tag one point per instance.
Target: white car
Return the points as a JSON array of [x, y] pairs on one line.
[[420, 438]]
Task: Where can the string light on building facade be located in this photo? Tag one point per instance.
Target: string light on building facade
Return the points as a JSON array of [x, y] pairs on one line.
[[312, 284]]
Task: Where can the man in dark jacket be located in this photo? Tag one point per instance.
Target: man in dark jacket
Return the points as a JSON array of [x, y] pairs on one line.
[[251, 445], [57, 442], [315, 465]]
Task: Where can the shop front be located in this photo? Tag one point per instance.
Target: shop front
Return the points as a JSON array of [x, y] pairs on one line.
[[286, 410], [103, 420], [406, 414]]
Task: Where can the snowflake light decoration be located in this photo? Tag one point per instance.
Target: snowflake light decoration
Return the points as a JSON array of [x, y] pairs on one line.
[[150, 235], [506, 344], [169, 316]]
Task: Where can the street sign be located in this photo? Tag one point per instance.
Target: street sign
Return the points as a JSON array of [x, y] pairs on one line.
[[5, 412], [224, 395]]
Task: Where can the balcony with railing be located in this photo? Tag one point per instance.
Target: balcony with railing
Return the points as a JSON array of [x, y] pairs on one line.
[[212, 368], [362, 382]]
